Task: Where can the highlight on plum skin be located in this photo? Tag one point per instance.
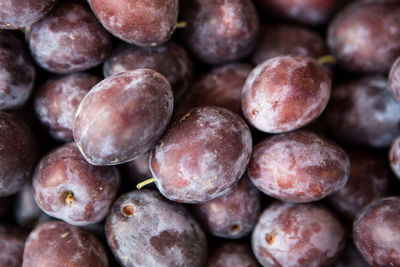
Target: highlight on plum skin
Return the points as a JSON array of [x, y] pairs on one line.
[[285, 93], [202, 155], [58, 98], [67, 187], [292, 235], [142, 23], [68, 39], [56, 243], [298, 167], [17, 74], [376, 232], [145, 229], [137, 104]]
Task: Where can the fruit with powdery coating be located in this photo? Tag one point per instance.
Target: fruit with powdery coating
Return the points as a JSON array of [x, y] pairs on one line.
[[202, 155], [394, 157], [170, 59], [232, 215], [284, 39], [65, 186], [362, 112], [221, 87], [394, 79], [143, 23], [19, 151], [232, 254], [376, 232], [57, 100], [298, 167], [68, 39], [17, 74], [285, 93], [57, 243], [12, 241], [297, 235], [123, 116], [369, 180], [16, 14], [218, 32], [365, 36], [144, 229]]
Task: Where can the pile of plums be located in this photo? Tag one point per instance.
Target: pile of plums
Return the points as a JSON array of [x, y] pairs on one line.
[[189, 133]]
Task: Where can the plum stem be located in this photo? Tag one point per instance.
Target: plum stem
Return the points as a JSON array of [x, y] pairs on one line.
[[69, 198], [146, 182], [181, 24], [327, 59]]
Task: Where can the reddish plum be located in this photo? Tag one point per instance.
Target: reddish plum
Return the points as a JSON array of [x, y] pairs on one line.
[[123, 116], [202, 155], [67, 187], [57, 100], [68, 39], [144, 229], [298, 167], [296, 235], [285, 93], [143, 23]]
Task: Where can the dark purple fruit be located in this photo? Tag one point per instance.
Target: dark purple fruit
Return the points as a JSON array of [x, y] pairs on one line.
[[68, 39], [221, 87], [232, 215], [57, 100], [59, 244], [294, 235], [232, 254], [362, 112], [284, 39], [369, 180], [201, 156], [394, 79], [285, 93], [12, 241], [171, 60], [143, 23], [15, 14], [144, 229], [376, 232], [298, 167], [123, 116], [19, 151], [365, 36], [17, 73], [67, 187], [313, 12], [219, 31]]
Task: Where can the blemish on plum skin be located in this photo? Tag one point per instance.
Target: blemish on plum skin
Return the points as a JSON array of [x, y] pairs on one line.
[[270, 238], [128, 211]]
